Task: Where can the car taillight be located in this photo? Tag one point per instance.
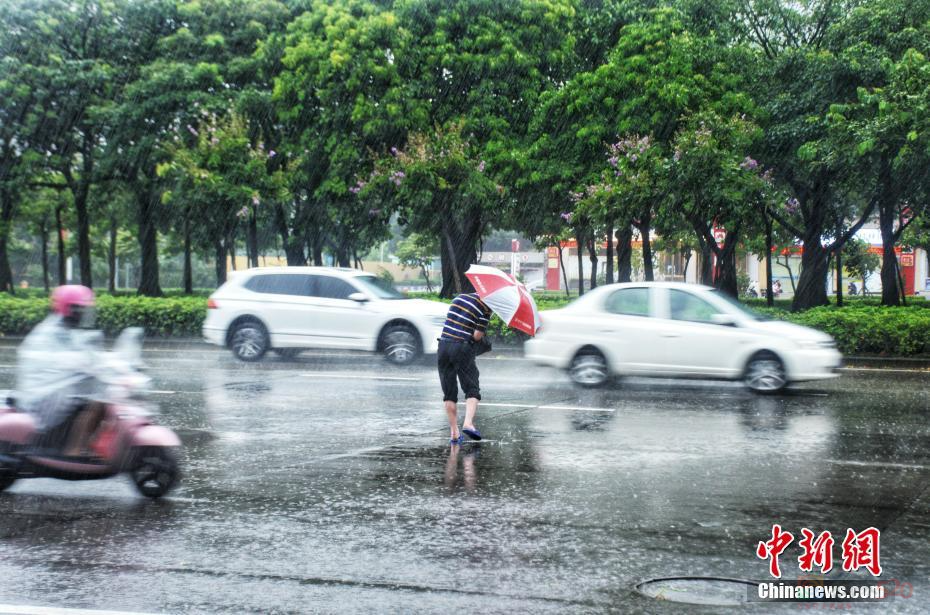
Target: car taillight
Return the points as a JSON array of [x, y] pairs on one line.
[[211, 304]]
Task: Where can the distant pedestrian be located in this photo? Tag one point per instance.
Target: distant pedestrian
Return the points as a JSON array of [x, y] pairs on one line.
[[466, 324], [776, 288]]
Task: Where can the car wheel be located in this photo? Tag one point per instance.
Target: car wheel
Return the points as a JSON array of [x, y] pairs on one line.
[[765, 373], [249, 341], [154, 471], [7, 477], [400, 345], [288, 354], [589, 369]]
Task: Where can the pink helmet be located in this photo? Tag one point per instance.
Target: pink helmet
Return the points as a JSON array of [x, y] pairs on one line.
[[64, 298]]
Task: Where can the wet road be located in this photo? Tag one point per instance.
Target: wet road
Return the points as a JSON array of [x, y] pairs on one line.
[[327, 485]]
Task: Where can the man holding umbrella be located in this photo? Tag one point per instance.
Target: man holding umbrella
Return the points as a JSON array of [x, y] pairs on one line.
[[466, 323]]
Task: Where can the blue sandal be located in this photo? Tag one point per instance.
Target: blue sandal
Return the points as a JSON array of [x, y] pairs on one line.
[[458, 440], [474, 434]]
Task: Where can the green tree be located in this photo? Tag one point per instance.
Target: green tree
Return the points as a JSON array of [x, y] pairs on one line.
[[417, 251]]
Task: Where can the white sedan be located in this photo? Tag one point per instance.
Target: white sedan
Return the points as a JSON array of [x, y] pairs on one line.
[[671, 329], [287, 309]]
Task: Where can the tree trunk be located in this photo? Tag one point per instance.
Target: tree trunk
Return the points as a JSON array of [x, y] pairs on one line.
[[838, 249], [579, 241], [62, 266], [890, 293], [624, 253], [592, 256], [458, 250], [111, 256], [645, 226], [769, 299], [725, 278], [43, 233], [220, 252], [293, 245], [188, 276], [80, 191], [609, 265], [6, 219], [707, 261], [811, 290], [251, 237], [149, 283], [83, 232], [231, 249], [568, 292]]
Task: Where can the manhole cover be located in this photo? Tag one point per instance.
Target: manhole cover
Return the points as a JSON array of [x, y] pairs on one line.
[[714, 591]]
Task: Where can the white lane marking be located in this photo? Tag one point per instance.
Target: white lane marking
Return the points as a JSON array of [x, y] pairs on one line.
[[535, 407], [157, 392], [356, 376], [15, 609], [886, 369], [879, 464]]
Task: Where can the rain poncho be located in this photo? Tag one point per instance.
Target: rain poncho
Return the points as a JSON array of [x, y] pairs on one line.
[[54, 371]]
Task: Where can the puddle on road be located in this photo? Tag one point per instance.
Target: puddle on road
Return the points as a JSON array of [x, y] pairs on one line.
[[708, 591]]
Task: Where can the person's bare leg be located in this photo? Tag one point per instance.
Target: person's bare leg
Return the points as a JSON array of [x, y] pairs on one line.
[[452, 415], [85, 424], [471, 407], [76, 434]]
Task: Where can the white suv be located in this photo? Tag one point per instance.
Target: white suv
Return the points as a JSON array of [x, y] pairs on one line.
[[287, 309]]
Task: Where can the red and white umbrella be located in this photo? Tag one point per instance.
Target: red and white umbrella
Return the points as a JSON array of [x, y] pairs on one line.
[[508, 298]]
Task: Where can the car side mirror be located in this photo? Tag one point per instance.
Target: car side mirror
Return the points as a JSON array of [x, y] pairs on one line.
[[725, 320], [358, 297]]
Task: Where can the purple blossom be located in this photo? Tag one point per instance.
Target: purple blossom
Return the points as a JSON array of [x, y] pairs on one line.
[[398, 177], [192, 130], [272, 154], [242, 213], [393, 151], [613, 161], [567, 216], [748, 164], [481, 167], [792, 205]]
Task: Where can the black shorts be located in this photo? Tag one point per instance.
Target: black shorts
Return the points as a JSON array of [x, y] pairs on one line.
[[457, 359]]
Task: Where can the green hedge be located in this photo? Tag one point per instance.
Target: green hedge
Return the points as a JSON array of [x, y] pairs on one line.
[[858, 329], [868, 329], [162, 317]]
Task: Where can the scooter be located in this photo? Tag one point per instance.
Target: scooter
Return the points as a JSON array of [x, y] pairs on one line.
[[127, 440]]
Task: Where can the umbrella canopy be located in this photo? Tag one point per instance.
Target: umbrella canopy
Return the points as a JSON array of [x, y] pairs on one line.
[[508, 298]]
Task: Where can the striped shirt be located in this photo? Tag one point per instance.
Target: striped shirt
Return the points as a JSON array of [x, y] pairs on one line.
[[466, 315]]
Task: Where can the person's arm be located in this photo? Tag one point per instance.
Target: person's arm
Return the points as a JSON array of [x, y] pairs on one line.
[[481, 327]]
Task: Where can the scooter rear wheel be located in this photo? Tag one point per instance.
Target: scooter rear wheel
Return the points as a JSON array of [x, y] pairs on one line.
[[7, 477], [154, 471]]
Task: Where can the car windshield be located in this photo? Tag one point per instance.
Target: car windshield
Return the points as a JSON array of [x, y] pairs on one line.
[[738, 306], [379, 287]]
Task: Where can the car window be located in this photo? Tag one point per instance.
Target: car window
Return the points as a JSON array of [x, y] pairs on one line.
[[280, 284], [629, 301], [380, 288], [686, 306], [332, 288]]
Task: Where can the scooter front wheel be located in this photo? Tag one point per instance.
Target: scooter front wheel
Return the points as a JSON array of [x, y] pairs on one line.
[[154, 470], [7, 478]]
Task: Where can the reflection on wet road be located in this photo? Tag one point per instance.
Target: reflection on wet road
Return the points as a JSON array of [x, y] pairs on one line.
[[327, 484]]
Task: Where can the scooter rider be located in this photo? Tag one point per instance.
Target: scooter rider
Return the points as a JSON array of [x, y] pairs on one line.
[[54, 372]]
